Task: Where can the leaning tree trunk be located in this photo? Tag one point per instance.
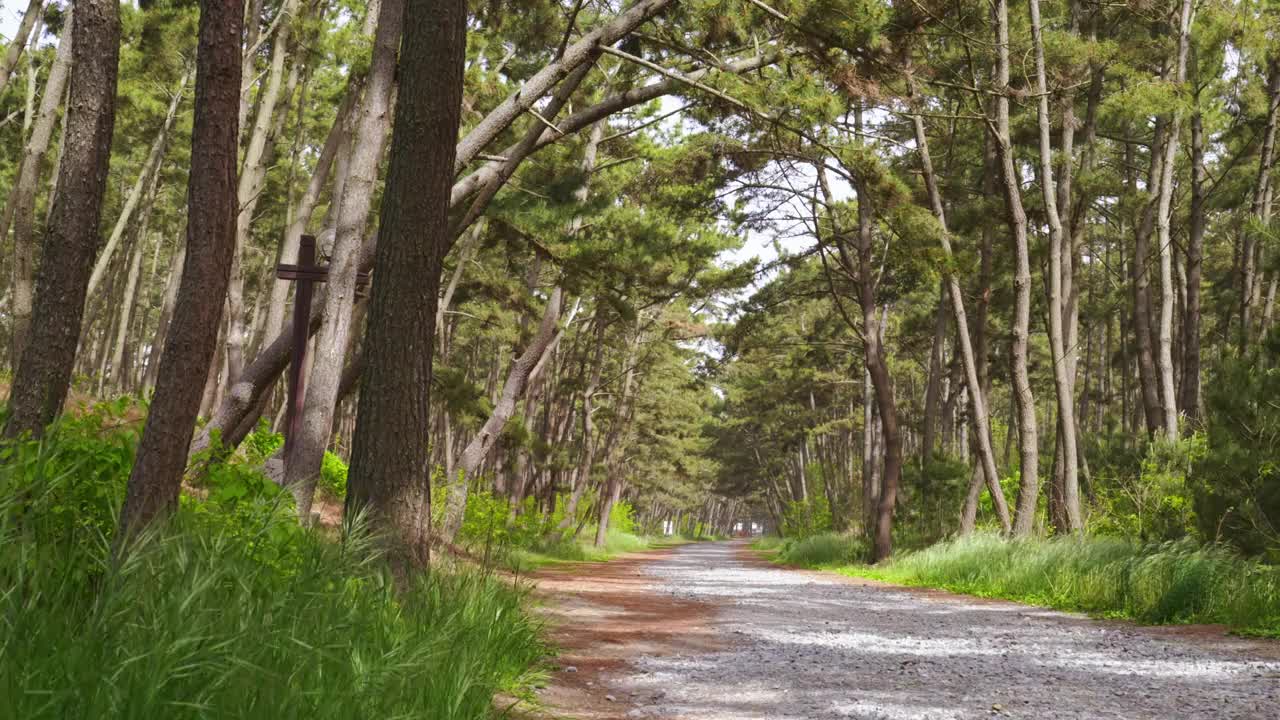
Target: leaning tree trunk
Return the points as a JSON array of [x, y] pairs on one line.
[[253, 171], [305, 453], [306, 206], [19, 42], [43, 373], [191, 342], [149, 170], [22, 200], [1028, 441], [512, 391], [977, 395], [390, 477], [130, 297]]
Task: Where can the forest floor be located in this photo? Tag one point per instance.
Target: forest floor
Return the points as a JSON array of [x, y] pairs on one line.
[[710, 631]]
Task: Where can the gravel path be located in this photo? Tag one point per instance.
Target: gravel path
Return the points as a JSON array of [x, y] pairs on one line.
[[803, 645]]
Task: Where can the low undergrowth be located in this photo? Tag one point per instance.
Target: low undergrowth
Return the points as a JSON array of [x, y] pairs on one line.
[[231, 609], [1158, 583], [815, 551]]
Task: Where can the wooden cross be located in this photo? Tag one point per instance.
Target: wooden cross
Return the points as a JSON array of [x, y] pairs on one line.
[[306, 273]]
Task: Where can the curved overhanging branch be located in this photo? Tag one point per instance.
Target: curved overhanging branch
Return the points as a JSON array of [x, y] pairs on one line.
[[523, 99]]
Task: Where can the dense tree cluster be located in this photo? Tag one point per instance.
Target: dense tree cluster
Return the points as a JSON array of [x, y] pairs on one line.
[[1024, 261]]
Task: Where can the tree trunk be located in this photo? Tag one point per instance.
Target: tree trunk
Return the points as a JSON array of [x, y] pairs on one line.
[[22, 200], [1168, 393], [1189, 402], [588, 428], [253, 171], [933, 384], [389, 476], [150, 168], [129, 298], [1147, 380], [1259, 207], [43, 373], [304, 454], [19, 41], [191, 342], [306, 206], [977, 394], [174, 275], [1028, 441], [1062, 379], [512, 391]]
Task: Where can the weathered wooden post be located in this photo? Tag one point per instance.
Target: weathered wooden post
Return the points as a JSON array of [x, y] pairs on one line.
[[306, 273]]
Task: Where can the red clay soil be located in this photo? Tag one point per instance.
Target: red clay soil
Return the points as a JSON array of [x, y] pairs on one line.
[[601, 616]]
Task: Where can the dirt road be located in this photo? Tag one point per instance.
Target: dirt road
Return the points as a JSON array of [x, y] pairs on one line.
[[707, 632]]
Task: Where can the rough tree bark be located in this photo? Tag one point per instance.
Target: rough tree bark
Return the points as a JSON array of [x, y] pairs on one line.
[[305, 453], [191, 342], [390, 474], [43, 373]]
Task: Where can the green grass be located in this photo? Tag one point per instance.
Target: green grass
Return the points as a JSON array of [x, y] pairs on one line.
[[567, 550], [231, 610], [1166, 583], [815, 551]]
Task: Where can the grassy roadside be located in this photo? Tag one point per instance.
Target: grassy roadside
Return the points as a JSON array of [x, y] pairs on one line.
[[584, 550], [1157, 583], [231, 609]]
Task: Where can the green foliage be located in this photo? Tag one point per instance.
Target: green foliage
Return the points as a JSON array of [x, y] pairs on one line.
[[825, 549], [1236, 482], [802, 519], [261, 443], [1171, 582], [333, 477], [230, 609], [622, 517], [1153, 502]]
